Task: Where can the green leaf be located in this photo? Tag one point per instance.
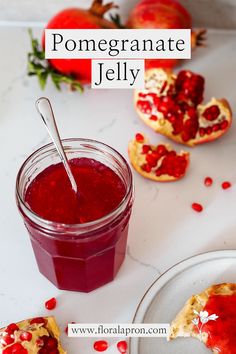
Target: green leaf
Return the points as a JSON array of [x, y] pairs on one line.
[[55, 80], [40, 67], [42, 76]]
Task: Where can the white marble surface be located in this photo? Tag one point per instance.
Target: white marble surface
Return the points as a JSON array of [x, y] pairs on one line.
[[163, 229], [206, 13]]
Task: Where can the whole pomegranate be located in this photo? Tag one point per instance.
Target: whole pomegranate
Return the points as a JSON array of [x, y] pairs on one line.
[[74, 18], [162, 14]]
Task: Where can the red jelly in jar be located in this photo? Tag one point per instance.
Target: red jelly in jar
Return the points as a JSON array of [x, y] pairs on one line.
[[79, 240]]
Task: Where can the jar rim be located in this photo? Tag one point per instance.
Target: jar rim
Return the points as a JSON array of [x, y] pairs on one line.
[[53, 225]]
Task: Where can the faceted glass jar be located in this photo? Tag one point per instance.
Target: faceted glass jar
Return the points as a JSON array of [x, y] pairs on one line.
[[78, 257]]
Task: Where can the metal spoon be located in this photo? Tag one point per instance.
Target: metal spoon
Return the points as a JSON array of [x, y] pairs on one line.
[[44, 108]]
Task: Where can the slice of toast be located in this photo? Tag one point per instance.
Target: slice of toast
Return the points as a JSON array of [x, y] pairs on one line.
[[189, 322]]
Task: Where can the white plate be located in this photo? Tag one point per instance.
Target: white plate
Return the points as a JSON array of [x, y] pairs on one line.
[[169, 292]]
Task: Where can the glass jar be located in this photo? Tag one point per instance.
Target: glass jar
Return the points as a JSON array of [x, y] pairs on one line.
[[78, 257]]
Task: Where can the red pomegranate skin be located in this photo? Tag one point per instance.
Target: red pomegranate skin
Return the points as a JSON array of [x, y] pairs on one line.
[[76, 18], [159, 14]]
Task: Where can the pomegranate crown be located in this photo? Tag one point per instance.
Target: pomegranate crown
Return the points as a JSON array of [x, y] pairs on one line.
[[99, 9]]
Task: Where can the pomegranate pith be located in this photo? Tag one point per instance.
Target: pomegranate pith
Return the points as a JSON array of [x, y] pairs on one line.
[[159, 163], [180, 114]]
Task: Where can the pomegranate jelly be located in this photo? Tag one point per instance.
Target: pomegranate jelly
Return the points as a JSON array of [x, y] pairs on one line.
[[51, 197], [80, 240]]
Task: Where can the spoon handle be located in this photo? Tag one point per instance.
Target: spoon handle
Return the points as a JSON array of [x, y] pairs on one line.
[[44, 108]]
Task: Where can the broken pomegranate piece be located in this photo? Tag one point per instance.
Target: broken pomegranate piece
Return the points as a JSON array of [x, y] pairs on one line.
[[159, 163], [38, 335], [172, 105]]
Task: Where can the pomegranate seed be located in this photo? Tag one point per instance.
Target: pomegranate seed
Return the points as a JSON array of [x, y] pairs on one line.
[[147, 168], [209, 130], [159, 172], [192, 113], [66, 328], [185, 136], [38, 320], [197, 207], [224, 125], [153, 117], [21, 351], [211, 113], [17, 348], [7, 339], [152, 94], [7, 350], [156, 100], [44, 339], [190, 87], [122, 346], [226, 185], [145, 149], [201, 132], [139, 138], [26, 336], [142, 95], [208, 181], [170, 90], [161, 150], [100, 345], [163, 87], [144, 106], [216, 127], [177, 172], [11, 328], [171, 118], [51, 304], [178, 126], [51, 343], [39, 342], [151, 159], [43, 351], [172, 153]]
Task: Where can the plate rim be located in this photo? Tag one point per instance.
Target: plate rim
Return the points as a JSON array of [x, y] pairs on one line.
[[226, 253]]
